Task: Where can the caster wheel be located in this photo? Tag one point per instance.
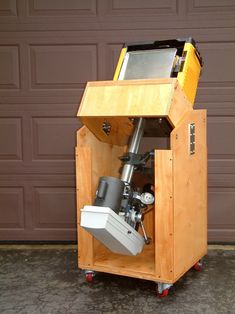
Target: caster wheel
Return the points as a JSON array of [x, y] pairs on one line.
[[198, 266], [89, 277], [163, 289], [163, 294]]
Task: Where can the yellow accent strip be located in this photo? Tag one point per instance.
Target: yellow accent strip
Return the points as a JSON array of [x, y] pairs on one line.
[[119, 64]]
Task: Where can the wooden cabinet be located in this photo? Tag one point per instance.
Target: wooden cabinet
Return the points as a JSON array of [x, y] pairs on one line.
[[177, 222]]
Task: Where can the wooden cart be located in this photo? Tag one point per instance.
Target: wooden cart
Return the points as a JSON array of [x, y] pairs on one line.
[[177, 223]]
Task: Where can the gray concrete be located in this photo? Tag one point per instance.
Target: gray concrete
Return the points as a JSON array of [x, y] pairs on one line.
[[48, 281]]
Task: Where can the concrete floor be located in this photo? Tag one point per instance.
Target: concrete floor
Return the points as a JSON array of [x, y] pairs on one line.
[[46, 280]]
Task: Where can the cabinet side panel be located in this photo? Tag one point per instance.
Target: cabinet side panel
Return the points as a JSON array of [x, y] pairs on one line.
[[190, 191], [84, 197], [180, 105], [94, 159], [163, 215]]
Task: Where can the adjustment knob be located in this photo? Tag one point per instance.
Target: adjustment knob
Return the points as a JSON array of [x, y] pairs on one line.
[[147, 198]]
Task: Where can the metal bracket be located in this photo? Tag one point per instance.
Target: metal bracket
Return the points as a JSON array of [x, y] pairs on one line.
[[136, 159], [191, 130], [106, 127]]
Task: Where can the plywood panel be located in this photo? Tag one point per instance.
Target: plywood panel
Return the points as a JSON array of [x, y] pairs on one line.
[[94, 159], [133, 98], [127, 98], [190, 192], [105, 159], [120, 129], [179, 107], [164, 218], [84, 197], [114, 102], [140, 266]]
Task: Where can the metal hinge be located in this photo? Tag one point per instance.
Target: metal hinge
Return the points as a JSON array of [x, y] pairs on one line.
[[191, 131]]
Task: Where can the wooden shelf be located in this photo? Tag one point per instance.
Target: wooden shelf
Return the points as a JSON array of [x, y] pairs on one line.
[[139, 266]]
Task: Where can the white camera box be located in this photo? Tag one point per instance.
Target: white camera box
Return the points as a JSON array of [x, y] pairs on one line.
[[110, 229]]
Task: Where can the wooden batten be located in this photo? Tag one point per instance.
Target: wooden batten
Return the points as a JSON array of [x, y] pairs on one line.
[[164, 215], [84, 197]]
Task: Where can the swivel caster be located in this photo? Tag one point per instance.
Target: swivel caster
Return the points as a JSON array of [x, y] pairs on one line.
[[163, 289], [89, 275], [163, 294], [198, 266]]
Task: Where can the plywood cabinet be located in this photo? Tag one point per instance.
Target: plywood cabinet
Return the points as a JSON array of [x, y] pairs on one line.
[[177, 222]]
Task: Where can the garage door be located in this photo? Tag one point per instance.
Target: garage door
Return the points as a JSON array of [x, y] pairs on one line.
[[48, 50]]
